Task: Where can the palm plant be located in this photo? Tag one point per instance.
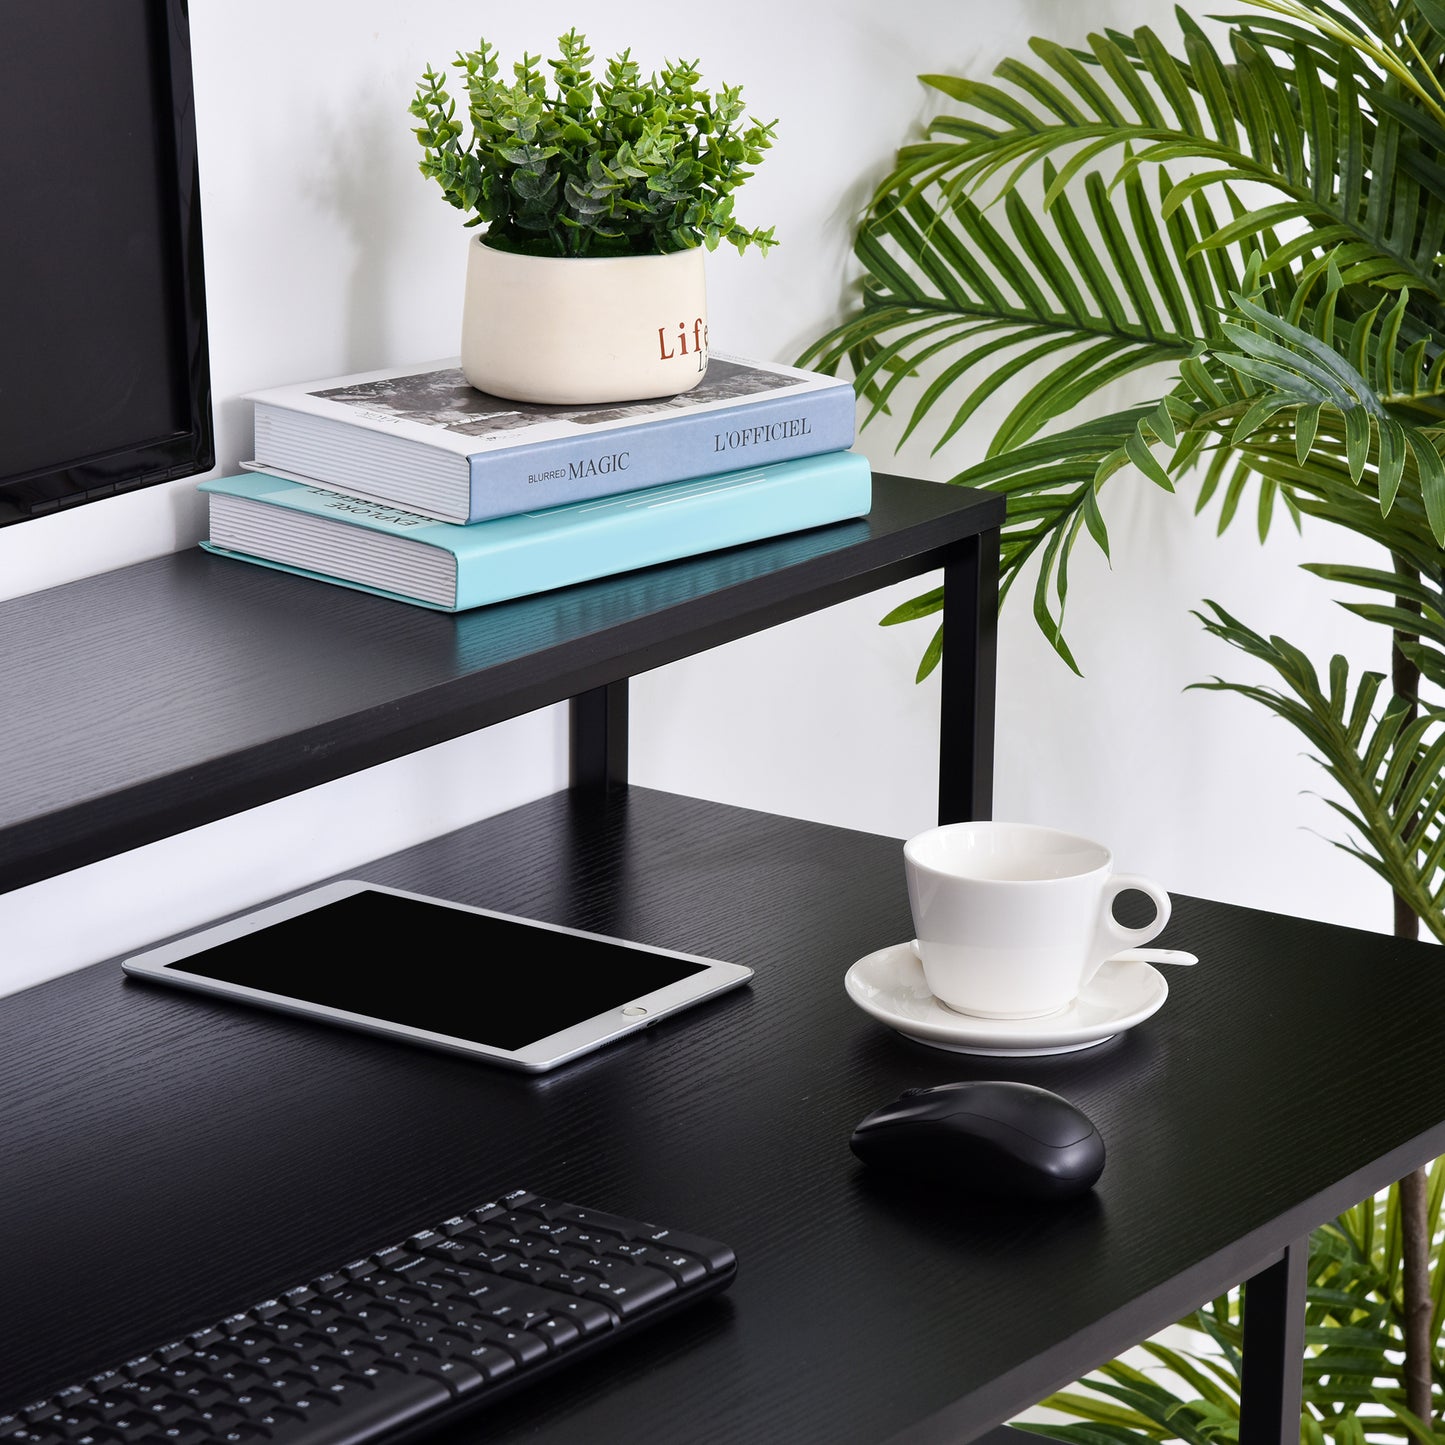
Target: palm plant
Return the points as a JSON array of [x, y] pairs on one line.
[[1261, 222]]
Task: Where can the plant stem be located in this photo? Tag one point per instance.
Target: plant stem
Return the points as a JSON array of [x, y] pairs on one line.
[[1405, 680], [1414, 1188], [1415, 1275]]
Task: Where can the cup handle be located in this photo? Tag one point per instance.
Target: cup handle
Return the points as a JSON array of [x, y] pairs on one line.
[[1112, 935]]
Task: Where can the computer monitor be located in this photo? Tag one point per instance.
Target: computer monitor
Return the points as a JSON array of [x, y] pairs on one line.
[[104, 361]]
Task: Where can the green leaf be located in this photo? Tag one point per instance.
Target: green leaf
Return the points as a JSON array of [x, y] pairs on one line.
[[1391, 461], [1433, 12], [932, 655], [1162, 421], [1307, 421], [1432, 482], [916, 607], [1357, 441], [1094, 520]]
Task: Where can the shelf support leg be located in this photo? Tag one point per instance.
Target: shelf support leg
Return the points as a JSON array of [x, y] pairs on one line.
[[1272, 1375], [970, 668], [598, 737]]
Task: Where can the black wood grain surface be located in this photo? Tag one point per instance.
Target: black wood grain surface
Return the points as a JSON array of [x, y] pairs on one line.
[[164, 695], [165, 1158]]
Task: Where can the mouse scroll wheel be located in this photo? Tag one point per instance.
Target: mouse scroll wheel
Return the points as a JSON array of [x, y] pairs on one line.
[[913, 1093]]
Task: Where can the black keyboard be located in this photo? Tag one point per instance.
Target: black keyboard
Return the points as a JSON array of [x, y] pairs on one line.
[[396, 1343]]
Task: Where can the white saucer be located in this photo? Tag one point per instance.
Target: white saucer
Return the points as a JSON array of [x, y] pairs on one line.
[[889, 985]]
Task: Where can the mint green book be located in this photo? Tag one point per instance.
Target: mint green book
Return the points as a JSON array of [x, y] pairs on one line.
[[280, 523]]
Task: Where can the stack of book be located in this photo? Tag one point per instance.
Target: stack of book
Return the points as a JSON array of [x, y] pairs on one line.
[[412, 484]]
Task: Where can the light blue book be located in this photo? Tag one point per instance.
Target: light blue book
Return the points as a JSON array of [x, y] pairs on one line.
[[420, 437], [340, 539]]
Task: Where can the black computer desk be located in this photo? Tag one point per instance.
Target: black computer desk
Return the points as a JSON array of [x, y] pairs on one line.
[[167, 1158]]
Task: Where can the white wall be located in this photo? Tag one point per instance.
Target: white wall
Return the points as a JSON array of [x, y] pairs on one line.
[[327, 252]]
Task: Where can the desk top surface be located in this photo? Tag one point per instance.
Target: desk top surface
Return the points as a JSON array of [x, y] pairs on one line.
[[168, 1158], [165, 695]]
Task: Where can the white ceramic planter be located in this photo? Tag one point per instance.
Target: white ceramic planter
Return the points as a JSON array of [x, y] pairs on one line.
[[585, 329]]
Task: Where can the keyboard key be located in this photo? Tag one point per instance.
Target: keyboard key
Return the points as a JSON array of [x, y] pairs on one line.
[[460, 1376], [525, 1348], [532, 1271], [682, 1267], [715, 1256], [131, 1427], [589, 1316], [595, 1219], [491, 1361], [174, 1412], [628, 1290], [153, 1387], [557, 1330]]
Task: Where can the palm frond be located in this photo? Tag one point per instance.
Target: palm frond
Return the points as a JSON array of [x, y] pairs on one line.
[[1290, 396], [949, 297], [1326, 124], [1389, 765], [1293, 405], [1414, 613], [1052, 490]]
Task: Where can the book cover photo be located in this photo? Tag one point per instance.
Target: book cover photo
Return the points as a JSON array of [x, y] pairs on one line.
[[271, 520], [421, 437]]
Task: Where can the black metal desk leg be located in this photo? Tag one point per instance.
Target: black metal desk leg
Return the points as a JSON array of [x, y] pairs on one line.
[[1274, 1349], [970, 667], [598, 737]]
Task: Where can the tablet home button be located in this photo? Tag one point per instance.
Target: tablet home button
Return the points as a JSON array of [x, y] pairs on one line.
[[632, 1011]]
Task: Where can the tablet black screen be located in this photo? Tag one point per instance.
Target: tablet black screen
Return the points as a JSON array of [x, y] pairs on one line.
[[490, 980]]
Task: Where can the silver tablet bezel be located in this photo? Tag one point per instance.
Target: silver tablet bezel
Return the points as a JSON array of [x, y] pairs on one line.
[[156, 964]]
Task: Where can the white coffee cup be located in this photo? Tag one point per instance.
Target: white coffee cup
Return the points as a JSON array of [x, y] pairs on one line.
[[1012, 920]]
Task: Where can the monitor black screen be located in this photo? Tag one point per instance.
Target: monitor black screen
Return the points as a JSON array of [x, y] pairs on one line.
[[104, 367]]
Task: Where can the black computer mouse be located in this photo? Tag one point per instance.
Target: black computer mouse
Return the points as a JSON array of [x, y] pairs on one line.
[[992, 1137]]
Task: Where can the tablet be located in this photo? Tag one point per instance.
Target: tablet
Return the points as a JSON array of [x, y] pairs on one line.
[[494, 986]]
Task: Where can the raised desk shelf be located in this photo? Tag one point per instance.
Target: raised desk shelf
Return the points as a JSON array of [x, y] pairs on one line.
[[153, 699]]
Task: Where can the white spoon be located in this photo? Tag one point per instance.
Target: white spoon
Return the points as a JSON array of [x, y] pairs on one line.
[[1128, 955], [1154, 955]]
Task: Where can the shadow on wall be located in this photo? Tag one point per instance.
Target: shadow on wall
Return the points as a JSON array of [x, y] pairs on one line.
[[372, 141]]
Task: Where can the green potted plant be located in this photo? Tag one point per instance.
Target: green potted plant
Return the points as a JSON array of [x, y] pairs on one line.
[[599, 197]]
